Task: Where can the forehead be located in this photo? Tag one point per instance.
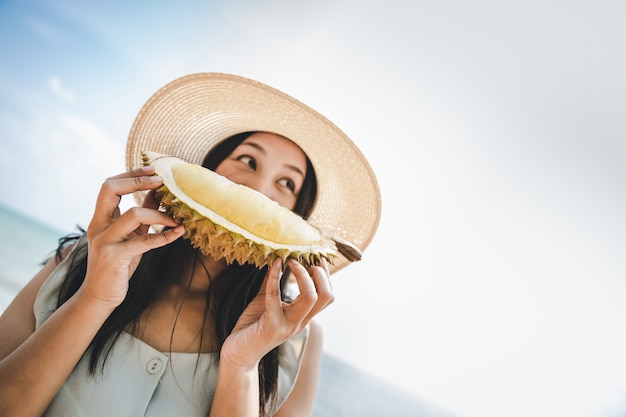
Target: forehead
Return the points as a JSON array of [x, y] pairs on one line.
[[276, 146]]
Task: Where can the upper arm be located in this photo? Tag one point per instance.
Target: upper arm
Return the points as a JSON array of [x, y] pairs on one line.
[[17, 322], [302, 397]]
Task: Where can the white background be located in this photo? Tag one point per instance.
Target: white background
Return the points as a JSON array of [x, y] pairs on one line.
[[495, 285]]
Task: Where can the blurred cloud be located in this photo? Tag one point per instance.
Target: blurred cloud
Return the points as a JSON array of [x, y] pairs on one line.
[[57, 88], [45, 31]]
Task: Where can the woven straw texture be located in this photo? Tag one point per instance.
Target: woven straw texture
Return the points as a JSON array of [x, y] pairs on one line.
[[188, 116]]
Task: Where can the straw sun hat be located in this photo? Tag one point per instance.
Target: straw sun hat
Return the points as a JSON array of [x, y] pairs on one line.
[[191, 114]]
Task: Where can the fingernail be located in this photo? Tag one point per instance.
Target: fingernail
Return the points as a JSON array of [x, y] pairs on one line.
[[326, 264], [155, 178]]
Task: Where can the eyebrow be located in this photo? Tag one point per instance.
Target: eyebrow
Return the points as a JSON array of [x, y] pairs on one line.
[[262, 150]]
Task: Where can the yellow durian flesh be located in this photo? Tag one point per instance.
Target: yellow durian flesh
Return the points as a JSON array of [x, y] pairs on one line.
[[227, 220], [270, 221]]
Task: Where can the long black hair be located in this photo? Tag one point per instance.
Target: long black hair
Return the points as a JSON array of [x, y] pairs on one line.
[[227, 296]]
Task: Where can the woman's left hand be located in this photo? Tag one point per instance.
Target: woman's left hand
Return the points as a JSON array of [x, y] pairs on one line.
[[267, 321]]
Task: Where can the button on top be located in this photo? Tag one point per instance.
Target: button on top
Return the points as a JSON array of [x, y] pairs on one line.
[[154, 366]]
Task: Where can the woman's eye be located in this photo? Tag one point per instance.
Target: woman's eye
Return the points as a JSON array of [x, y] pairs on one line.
[[248, 160], [286, 182]]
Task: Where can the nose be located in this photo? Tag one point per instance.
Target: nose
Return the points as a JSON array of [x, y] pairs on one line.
[[259, 184]]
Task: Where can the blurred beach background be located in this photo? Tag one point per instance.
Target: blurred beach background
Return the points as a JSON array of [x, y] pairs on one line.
[[496, 283]]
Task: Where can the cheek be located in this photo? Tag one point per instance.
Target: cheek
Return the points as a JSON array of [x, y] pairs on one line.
[[288, 202], [222, 169], [226, 170], [283, 199]]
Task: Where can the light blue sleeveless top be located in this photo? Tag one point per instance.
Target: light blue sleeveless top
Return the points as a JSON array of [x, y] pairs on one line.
[[138, 380]]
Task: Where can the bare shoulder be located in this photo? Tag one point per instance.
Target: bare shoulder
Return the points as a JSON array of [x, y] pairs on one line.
[[302, 397], [17, 322], [316, 338]]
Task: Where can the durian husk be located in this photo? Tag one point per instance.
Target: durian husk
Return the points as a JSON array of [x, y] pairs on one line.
[[227, 220]]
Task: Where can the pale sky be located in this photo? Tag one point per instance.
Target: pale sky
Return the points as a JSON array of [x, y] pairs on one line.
[[495, 285]]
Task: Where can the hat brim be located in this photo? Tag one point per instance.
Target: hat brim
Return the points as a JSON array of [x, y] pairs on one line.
[[191, 114]]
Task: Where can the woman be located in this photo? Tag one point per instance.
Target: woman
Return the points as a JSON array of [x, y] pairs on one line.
[[145, 324]]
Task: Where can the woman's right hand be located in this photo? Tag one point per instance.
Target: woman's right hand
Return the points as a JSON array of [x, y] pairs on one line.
[[117, 241]]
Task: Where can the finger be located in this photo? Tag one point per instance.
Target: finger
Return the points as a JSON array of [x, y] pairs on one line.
[[114, 188], [151, 241], [126, 225], [111, 194], [321, 279], [325, 264], [273, 302], [150, 201], [304, 302], [147, 171], [137, 172]]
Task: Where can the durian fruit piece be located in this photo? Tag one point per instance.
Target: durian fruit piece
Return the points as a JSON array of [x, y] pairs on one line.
[[228, 220]]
